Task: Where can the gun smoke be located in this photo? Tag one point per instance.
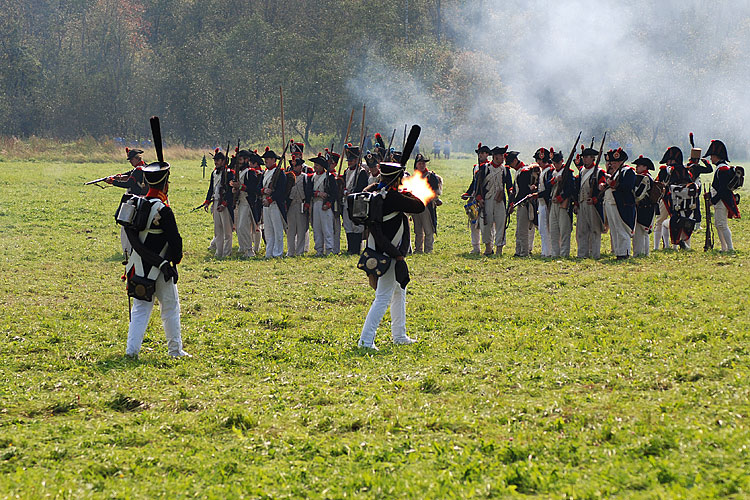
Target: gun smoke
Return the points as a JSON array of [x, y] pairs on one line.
[[540, 71]]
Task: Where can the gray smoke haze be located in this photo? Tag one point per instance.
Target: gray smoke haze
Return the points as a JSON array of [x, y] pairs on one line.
[[649, 72]]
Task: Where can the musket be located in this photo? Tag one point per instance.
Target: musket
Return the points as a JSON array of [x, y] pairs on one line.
[[601, 150], [97, 181], [346, 139], [390, 143], [566, 169], [709, 244], [404, 143], [283, 134], [198, 208]]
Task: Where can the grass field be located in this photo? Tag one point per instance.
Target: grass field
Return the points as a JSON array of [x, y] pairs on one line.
[[533, 378]]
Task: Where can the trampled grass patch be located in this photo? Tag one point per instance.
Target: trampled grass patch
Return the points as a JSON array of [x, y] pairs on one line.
[[532, 377]]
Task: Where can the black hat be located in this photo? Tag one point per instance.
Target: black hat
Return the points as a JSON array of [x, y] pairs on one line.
[[511, 155], [352, 152], [396, 156], [218, 155], [133, 152], [270, 154], [673, 153], [481, 148], [589, 152], [497, 150], [371, 159], [156, 173], [390, 171], [296, 148], [542, 154], [557, 156], [320, 160], [717, 148], [420, 157], [297, 161], [642, 160], [379, 142], [616, 155], [243, 153]]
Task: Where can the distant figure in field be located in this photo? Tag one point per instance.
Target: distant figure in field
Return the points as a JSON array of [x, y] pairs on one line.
[[726, 180], [436, 149], [134, 182], [447, 149]]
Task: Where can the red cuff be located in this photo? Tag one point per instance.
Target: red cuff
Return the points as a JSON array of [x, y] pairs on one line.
[[224, 203], [558, 198], [479, 197]]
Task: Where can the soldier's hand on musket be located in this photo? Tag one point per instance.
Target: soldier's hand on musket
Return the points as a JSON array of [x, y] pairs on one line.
[[306, 207], [707, 195], [206, 204], [234, 184], [465, 196], [220, 208], [109, 180], [533, 188]]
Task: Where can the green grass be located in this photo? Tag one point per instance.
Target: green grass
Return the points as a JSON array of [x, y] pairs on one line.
[[534, 378]]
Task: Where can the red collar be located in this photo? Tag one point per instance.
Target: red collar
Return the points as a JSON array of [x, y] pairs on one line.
[[496, 166], [157, 193]]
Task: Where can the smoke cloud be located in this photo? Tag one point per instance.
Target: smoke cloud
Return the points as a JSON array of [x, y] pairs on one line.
[[539, 71]]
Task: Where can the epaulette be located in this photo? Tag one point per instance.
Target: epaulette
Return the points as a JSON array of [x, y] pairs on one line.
[[724, 167]]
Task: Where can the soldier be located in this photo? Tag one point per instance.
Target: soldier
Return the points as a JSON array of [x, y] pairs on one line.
[[681, 200], [643, 205], [219, 196], [544, 192], [373, 166], [495, 188], [436, 148], [561, 207], [273, 197], [391, 237], [134, 182], [153, 263], [324, 193], [425, 222], [246, 190], [619, 201], [590, 209], [725, 180], [337, 206], [475, 228], [298, 216], [447, 149], [524, 191], [355, 181]]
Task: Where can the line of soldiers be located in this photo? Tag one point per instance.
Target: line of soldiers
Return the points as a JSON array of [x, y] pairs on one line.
[[621, 199], [264, 203]]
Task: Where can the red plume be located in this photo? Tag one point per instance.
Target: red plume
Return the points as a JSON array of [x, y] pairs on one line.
[[377, 135], [127, 150], [216, 151], [479, 145], [268, 148], [320, 155]]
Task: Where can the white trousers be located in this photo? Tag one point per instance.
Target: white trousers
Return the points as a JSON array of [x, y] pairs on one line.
[[323, 225], [248, 235], [544, 231], [494, 231], [273, 230], [388, 292], [620, 234], [297, 228], [349, 226], [721, 221], [424, 233], [524, 231], [169, 304], [589, 232], [222, 231], [560, 227], [476, 232], [641, 243], [659, 223]]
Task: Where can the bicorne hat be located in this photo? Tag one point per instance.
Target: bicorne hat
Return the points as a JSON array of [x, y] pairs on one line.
[[672, 154], [642, 160], [717, 148]]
